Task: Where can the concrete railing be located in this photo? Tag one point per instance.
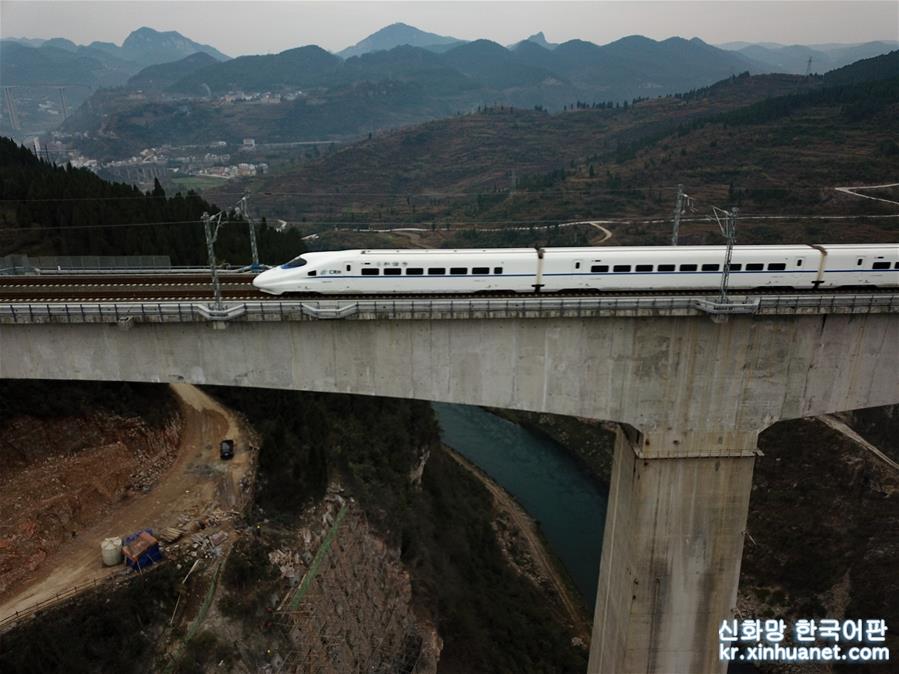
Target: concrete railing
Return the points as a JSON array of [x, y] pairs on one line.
[[126, 313]]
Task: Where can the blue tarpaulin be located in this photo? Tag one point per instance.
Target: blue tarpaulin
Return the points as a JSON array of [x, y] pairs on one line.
[[141, 549]]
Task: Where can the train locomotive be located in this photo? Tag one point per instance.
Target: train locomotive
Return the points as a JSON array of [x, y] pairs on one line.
[[547, 270]]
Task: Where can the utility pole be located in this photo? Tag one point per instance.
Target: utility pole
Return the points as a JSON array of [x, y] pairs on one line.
[[678, 210], [211, 236], [254, 251], [729, 230]]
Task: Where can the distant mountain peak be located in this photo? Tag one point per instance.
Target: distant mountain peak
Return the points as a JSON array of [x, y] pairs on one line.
[[148, 45], [397, 35], [540, 38], [536, 38]]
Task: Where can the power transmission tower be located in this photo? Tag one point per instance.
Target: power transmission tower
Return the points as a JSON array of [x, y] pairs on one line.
[[808, 67], [729, 230], [254, 251], [211, 236], [62, 100], [678, 211], [11, 106]]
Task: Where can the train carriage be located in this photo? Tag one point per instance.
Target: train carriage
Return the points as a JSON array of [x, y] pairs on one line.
[[608, 269]]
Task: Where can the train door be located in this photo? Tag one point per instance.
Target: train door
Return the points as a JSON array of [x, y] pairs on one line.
[[346, 280], [581, 270], [861, 266]]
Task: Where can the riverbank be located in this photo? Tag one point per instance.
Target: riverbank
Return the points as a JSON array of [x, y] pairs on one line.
[[535, 548], [589, 442]]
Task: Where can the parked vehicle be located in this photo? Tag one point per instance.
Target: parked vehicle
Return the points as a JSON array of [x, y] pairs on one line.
[[226, 449]]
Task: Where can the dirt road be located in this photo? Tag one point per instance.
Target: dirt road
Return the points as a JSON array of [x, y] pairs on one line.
[[528, 528], [197, 483]]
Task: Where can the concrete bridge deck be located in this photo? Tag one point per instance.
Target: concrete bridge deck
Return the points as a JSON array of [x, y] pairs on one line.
[[692, 395]]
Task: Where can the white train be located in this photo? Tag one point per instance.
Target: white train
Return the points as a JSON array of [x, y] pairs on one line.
[[529, 270]]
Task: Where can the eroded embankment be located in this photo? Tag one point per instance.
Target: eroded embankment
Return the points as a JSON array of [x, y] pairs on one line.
[[71, 453]]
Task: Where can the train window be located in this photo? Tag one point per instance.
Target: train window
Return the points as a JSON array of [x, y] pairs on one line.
[[644, 267], [666, 267], [599, 268], [755, 266], [776, 266], [436, 271], [480, 270], [881, 265], [393, 271], [370, 271], [896, 266], [348, 267], [621, 267], [799, 262], [312, 273], [859, 262], [577, 265], [458, 271], [414, 271], [688, 267], [497, 270], [711, 267], [294, 263], [735, 266]]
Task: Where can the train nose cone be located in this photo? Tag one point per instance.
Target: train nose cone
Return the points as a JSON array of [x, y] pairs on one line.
[[263, 281]]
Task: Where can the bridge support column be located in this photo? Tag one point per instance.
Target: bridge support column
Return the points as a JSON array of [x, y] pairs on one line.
[[671, 553]]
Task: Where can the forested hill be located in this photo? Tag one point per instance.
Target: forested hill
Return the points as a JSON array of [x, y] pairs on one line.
[[47, 209]]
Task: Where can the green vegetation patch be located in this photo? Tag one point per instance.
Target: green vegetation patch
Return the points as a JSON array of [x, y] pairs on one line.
[[105, 630], [320, 555]]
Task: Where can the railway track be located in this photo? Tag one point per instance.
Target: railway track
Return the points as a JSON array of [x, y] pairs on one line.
[[126, 288], [239, 287], [245, 292], [121, 279]]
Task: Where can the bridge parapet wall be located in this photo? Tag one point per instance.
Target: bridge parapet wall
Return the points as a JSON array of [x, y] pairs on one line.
[[668, 376]]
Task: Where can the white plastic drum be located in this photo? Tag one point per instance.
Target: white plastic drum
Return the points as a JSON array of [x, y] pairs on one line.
[[111, 550]]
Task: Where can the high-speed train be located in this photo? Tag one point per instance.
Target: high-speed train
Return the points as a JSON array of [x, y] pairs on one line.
[[530, 270]]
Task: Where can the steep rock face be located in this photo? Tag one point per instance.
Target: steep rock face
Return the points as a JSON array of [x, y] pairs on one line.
[[350, 607], [823, 532]]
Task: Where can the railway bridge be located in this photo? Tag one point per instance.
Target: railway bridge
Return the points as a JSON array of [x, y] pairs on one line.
[[691, 382]]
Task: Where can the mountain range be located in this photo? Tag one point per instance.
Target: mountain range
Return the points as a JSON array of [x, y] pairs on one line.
[[318, 95], [527, 74], [798, 59], [396, 76], [37, 68], [143, 47], [33, 62]]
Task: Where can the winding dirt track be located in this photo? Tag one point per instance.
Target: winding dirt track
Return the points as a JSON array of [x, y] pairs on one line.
[[194, 484]]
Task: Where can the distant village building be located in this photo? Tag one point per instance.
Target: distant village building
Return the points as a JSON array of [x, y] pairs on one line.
[[249, 143]]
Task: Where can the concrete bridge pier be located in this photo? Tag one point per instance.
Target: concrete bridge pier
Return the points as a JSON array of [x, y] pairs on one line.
[[671, 554]]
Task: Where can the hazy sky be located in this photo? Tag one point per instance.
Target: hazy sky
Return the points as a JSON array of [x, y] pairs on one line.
[[241, 27]]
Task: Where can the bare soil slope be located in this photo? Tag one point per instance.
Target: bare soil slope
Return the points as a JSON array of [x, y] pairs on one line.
[[196, 484]]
